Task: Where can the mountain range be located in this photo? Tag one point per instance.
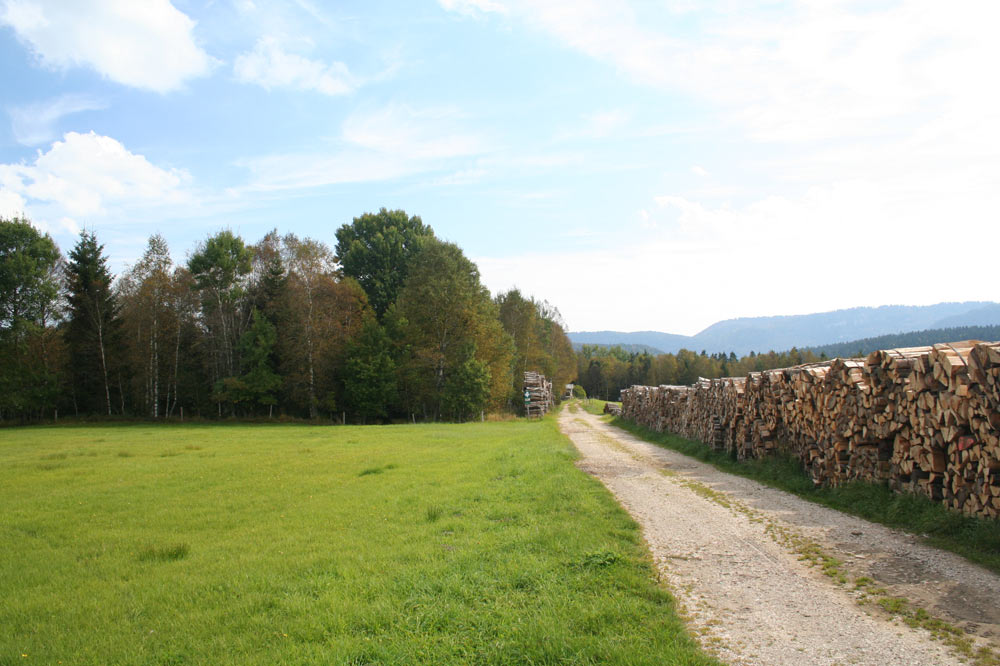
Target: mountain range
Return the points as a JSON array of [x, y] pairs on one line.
[[762, 334]]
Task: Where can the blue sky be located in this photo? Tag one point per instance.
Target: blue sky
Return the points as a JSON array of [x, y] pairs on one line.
[[641, 165]]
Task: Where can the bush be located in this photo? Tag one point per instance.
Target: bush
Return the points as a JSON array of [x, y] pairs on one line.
[[579, 392]]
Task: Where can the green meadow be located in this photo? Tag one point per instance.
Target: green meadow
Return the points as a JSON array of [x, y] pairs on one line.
[[295, 544]]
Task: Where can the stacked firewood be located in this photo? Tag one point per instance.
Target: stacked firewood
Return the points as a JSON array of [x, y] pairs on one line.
[[537, 394], [922, 419]]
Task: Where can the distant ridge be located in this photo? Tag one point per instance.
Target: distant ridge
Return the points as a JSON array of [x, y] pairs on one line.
[[866, 346], [631, 349], [763, 334]]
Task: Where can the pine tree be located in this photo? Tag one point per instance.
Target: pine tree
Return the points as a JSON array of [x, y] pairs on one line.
[[260, 381], [93, 332], [370, 373]]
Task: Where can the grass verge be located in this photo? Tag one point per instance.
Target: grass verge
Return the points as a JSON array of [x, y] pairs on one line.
[[289, 544], [594, 406], [976, 539]]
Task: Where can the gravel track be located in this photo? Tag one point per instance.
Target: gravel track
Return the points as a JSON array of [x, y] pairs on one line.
[[731, 551]]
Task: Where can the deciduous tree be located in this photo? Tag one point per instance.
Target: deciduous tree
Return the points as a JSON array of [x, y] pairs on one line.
[[220, 267], [30, 347], [377, 249], [447, 309]]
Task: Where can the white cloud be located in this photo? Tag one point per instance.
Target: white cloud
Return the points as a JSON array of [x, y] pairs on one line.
[[851, 243], [412, 133], [816, 70], [376, 145], [34, 124], [146, 44], [867, 132], [598, 125], [270, 66], [12, 204], [468, 7], [83, 175]]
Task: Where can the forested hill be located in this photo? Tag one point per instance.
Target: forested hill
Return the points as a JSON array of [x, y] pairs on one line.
[[866, 346], [630, 349], [761, 334]]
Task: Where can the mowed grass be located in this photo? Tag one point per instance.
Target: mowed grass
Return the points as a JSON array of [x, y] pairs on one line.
[[289, 544]]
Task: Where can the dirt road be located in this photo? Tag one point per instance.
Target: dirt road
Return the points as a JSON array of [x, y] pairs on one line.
[[746, 563]]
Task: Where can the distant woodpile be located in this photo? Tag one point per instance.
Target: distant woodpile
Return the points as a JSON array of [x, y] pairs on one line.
[[923, 419], [613, 408], [537, 394]]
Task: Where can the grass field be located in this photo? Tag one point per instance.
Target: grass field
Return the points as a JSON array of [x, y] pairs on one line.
[[240, 544], [593, 406], [976, 539]]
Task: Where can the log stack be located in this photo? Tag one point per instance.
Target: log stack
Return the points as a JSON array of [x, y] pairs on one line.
[[922, 419], [537, 394]]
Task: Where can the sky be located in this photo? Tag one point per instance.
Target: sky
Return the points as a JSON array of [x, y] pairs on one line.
[[640, 164]]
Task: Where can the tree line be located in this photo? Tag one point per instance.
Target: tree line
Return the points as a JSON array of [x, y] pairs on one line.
[[392, 323], [604, 371], [924, 338]]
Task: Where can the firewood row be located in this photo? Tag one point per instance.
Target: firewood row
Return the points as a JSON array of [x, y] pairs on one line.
[[537, 394], [922, 419]]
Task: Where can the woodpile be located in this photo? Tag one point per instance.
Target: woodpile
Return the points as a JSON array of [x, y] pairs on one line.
[[922, 419], [537, 394], [613, 408]]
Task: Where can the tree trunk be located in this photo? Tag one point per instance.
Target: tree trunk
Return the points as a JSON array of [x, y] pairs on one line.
[[104, 362], [309, 357], [155, 362], [177, 360]]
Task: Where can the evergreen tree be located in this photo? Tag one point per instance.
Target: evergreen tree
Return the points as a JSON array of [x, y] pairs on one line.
[[370, 373], [259, 383], [92, 335]]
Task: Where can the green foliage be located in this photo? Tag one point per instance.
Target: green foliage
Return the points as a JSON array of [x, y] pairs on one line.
[[29, 300], [377, 249], [177, 341], [220, 262], [447, 312], [579, 392], [539, 340], [467, 387], [604, 371], [156, 306], [320, 315], [29, 285], [219, 267], [257, 352], [259, 383], [370, 373], [266, 544], [93, 335]]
